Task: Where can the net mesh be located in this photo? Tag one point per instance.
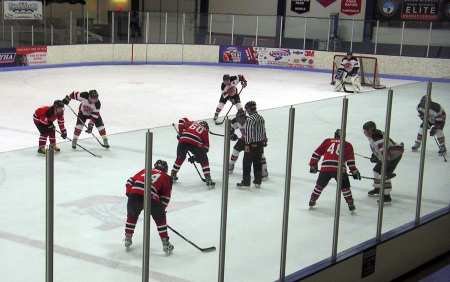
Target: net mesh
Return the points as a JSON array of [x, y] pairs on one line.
[[368, 70]]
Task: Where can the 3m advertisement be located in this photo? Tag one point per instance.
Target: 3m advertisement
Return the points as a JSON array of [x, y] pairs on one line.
[[23, 56], [267, 56], [22, 10]]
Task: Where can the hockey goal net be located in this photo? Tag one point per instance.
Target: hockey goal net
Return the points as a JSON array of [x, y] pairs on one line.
[[368, 70]]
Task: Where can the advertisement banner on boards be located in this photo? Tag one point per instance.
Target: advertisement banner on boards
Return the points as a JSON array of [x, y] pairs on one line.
[[22, 10], [31, 56], [7, 57], [267, 56], [420, 10]]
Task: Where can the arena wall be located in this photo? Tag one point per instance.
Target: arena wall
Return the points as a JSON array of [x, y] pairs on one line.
[[177, 53]]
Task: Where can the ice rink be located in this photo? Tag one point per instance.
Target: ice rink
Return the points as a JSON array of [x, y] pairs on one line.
[[90, 201]]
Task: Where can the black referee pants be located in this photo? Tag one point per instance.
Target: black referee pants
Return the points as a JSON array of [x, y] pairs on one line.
[[253, 157]]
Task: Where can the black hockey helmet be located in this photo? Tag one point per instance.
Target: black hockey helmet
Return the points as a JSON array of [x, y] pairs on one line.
[[93, 94], [204, 124], [337, 134], [370, 126], [226, 77], [424, 100], [241, 114], [250, 105], [350, 54], [58, 104], [161, 165]]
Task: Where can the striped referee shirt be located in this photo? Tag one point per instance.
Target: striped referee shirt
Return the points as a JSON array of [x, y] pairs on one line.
[[255, 129]]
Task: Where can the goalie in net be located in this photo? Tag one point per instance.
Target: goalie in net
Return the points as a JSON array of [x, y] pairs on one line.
[[358, 70]]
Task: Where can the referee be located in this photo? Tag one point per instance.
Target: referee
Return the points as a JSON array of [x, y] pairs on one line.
[[255, 141]]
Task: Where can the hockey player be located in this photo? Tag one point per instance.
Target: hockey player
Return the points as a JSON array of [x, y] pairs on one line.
[[229, 92], [193, 137], [161, 190], [89, 109], [329, 149], [349, 68], [237, 124], [436, 121], [395, 152], [43, 119]]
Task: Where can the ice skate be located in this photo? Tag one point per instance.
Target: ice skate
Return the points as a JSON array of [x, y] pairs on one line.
[[351, 206], [442, 150], [387, 200], [257, 185], [265, 175], [167, 247], [416, 146], [174, 177], [243, 185], [41, 151], [127, 240], [74, 144], [374, 192], [312, 202], [105, 143], [216, 116], [211, 184], [56, 149], [231, 168]]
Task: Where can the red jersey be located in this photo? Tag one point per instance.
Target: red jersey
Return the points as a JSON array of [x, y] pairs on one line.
[[161, 185], [193, 133], [46, 116], [329, 149]]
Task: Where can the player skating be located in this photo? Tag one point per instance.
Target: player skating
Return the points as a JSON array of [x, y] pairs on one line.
[[238, 124], [229, 92], [395, 152], [89, 109], [329, 149], [161, 190], [349, 68], [435, 121], [194, 138], [43, 118]]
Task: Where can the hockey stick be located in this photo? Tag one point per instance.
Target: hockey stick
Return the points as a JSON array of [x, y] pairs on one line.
[[203, 250], [225, 117], [189, 154], [342, 80], [216, 134], [362, 156], [85, 125], [372, 178], [437, 143], [98, 156]]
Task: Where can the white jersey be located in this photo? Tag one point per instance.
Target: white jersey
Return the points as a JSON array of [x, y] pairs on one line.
[[86, 108], [231, 90], [235, 125], [350, 66]]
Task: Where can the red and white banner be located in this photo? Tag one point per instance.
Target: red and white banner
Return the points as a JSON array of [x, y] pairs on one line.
[[350, 7], [31, 56]]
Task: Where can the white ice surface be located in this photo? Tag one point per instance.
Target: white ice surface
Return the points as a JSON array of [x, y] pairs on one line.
[[90, 205]]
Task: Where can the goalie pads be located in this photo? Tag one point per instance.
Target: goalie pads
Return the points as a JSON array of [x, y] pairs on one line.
[[356, 83], [340, 78]]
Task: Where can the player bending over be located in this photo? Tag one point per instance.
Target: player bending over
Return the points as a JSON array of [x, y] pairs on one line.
[[349, 68], [229, 92]]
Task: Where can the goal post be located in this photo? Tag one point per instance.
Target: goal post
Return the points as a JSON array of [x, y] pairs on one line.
[[368, 70]]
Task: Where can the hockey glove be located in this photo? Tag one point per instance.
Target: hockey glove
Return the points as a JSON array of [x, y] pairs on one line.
[[178, 137], [64, 133], [433, 130], [233, 137], [356, 175], [206, 150], [313, 168], [66, 100], [89, 129], [191, 159], [51, 126], [264, 143], [374, 159], [244, 83]]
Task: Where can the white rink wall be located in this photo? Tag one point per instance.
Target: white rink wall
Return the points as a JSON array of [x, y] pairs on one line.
[[146, 53]]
